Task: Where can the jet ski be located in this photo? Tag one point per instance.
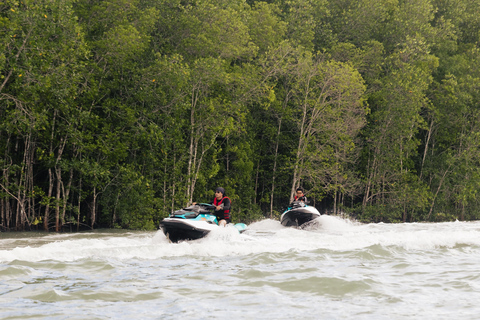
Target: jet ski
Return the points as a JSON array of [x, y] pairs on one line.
[[298, 213], [193, 222]]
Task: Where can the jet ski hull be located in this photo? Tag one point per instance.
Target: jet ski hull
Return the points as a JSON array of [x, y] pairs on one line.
[[192, 223], [296, 217], [181, 229]]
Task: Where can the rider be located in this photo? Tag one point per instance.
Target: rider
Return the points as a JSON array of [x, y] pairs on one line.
[[222, 205], [300, 196]]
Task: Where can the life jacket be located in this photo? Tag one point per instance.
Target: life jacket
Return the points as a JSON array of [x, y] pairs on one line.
[[226, 213], [302, 198]]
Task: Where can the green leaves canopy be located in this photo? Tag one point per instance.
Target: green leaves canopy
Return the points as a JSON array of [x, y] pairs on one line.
[[115, 113]]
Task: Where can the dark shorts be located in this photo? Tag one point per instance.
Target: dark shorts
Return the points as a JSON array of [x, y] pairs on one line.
[[229, 220]]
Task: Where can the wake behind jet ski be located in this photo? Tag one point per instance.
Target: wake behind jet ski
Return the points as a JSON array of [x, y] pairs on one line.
[[193, 222], [298, 213]]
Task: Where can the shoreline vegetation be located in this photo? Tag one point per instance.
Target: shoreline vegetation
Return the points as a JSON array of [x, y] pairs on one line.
[[115, 113]]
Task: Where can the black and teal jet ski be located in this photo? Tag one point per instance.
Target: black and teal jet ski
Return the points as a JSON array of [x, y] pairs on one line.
[[193, 222], [298, 213]]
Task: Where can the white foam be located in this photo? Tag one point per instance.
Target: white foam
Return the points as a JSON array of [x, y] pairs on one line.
[[266, 225], [329, 232]]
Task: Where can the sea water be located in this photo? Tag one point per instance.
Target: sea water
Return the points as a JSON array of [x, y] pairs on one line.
[[333, 269]]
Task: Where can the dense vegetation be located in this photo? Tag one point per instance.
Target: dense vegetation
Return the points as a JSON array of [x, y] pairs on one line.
[[114, 113]]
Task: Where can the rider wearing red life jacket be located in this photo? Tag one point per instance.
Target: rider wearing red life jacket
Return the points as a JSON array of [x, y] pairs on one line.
[[223, 205], [299, 196]]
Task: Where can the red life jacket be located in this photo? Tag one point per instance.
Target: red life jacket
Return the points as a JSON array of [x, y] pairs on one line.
[[304, 198], [226, 213], [217, 203]]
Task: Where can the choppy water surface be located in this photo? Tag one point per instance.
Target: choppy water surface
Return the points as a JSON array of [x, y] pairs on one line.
[[336, 269]]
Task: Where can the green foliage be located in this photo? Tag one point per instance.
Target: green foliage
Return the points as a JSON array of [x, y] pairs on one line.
[[130, 202], [247, 215], [380, 213], [115, 113]]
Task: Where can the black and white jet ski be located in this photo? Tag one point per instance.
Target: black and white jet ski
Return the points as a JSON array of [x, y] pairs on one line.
[[298, 213], [193, 222]]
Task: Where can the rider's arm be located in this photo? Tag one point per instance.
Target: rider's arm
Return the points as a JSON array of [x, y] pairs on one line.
[[226, 204]]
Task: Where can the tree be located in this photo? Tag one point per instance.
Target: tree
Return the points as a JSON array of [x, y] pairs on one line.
[[452, 162], [329, 97], [43, 46], [392, 137]]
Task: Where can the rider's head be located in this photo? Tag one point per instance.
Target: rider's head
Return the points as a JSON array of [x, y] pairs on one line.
[[300, 191], [220, 192]]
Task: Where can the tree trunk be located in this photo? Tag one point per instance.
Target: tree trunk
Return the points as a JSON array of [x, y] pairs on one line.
[[436, 193], [275, 167], [256, 182], [50, 176], [165, 188], [66, 195], [58, 172], [190, 165], [79, 203], [94, 207], [49, 196], [114, 214], [192, 150], [2, 213], [301, 143], [426, 149], [57, 202], [335, 201], [174, 184]]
